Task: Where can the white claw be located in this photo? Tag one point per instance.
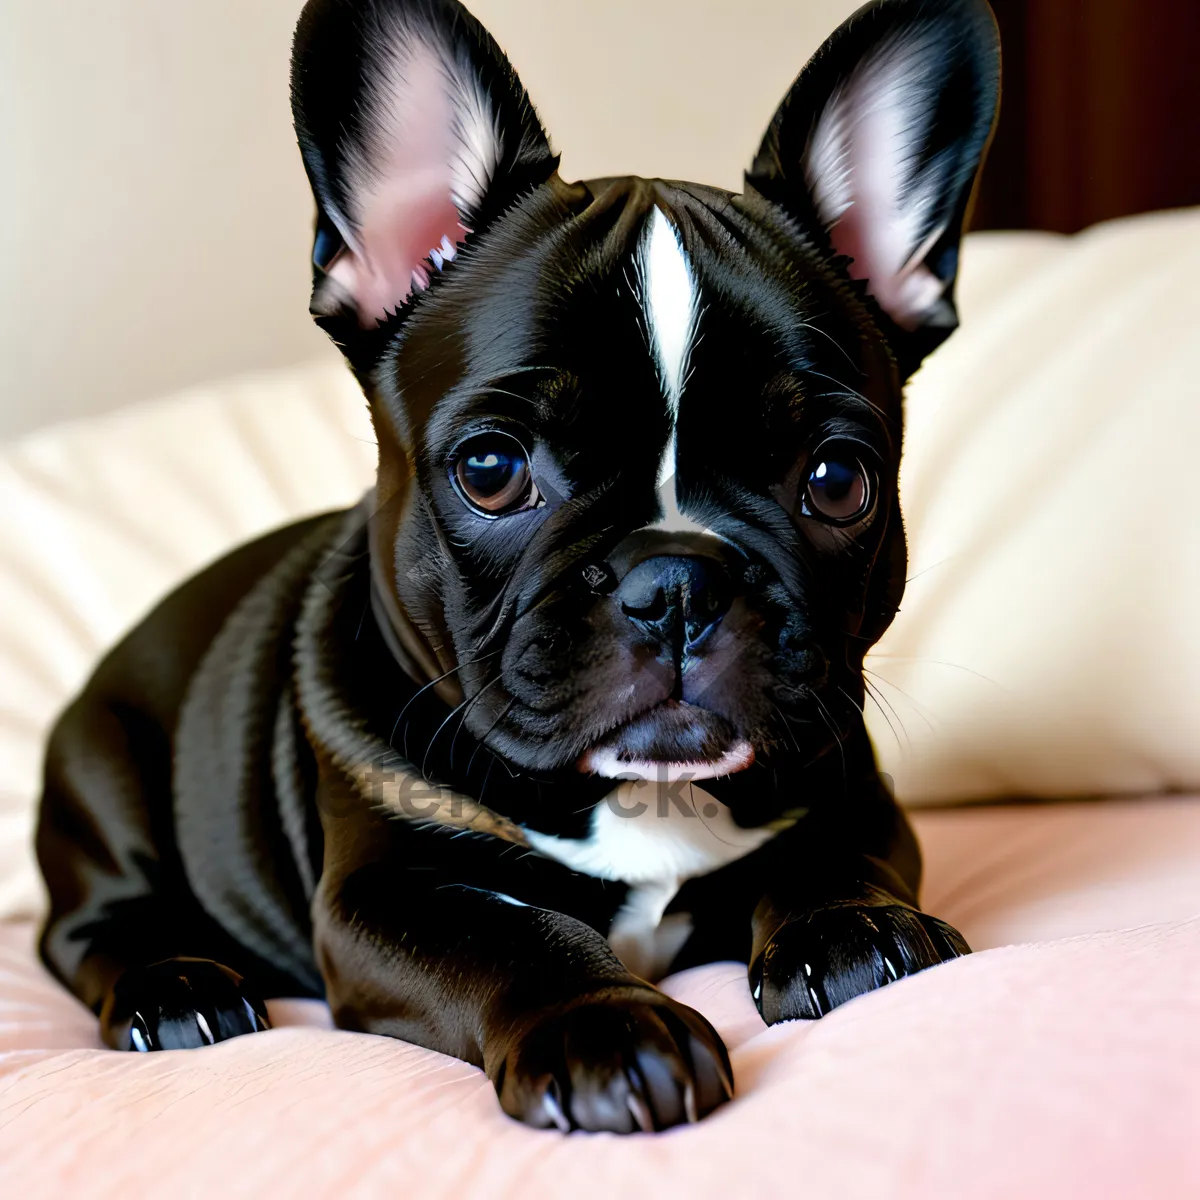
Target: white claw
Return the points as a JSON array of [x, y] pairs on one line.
[[205, 1032], [436, 259], [689, 1103], [552, 1107], [640, 1111], [449, 249]]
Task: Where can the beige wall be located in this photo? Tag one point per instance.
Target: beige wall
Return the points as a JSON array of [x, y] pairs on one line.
[[154, 219]]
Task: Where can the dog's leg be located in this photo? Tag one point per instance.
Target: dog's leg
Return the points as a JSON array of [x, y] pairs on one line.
[[125, 932], [839, 917], [122, 915], [853, 932], [537, 999]]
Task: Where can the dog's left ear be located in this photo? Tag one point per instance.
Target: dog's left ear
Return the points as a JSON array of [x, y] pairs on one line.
[[879, 143], [415, 132]]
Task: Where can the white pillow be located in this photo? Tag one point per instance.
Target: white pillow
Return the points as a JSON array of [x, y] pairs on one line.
[[1045, 646]]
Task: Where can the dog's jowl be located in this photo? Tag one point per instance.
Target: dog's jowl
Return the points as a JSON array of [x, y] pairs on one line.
[[573, 698]]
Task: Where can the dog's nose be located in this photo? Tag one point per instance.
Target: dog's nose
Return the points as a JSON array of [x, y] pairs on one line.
[[677, 599]]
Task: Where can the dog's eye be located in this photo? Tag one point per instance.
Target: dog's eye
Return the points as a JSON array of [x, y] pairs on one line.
[[837, 490], [491, 472]]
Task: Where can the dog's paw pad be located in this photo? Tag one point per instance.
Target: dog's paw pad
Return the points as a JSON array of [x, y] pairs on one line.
[[818, 961], [624, 1063], [180, 1004]]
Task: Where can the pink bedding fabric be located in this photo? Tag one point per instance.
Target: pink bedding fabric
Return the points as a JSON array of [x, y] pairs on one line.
[[1065, 1067]]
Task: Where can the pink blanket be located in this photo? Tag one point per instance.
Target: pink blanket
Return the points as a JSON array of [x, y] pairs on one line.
[[1065, 1067]]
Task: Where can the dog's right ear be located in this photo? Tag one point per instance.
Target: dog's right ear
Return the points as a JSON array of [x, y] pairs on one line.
[[415, 132], [879, 143]]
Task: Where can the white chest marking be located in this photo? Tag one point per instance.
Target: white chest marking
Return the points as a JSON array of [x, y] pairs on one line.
[[653, 837]]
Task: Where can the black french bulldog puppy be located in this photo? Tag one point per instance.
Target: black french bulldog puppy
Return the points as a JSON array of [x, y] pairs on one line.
[[573, 698]]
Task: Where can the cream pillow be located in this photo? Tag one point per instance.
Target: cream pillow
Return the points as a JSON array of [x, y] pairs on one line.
[[104, 516], [1048, 643], [1045, 645]]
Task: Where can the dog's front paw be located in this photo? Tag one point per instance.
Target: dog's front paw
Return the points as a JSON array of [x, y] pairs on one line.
[[623, 1060], [180, 1004], [819, 960]]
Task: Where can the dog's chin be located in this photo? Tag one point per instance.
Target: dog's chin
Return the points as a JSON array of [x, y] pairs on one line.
[[672, 741]]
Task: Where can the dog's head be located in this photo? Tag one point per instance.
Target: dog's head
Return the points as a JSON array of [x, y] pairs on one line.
[[638, 440]]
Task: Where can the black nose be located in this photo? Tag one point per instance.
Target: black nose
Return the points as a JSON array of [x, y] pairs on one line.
[[676, 599]]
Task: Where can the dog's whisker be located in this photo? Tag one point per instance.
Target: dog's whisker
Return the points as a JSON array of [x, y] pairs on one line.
[[486, 780], [787, 728], [421, 691], [882, 711], [437, 733], [918, 707], [877, 696], [498, 391], [849, 393], [703, 820], [483, 740], [474, 700], [934, 662], [846, 388], [932, 567], [833, 341], [834, 729]]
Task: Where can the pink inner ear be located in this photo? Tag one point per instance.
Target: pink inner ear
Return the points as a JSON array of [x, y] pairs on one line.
[[860, 168], [411, 228], [906, 291], [406, 222]]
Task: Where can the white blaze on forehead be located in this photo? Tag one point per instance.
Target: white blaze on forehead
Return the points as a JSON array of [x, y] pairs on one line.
[[670, 305], [669, 301]]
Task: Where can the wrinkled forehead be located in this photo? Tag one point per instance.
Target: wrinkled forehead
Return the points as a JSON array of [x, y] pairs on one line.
[[641, 309]]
